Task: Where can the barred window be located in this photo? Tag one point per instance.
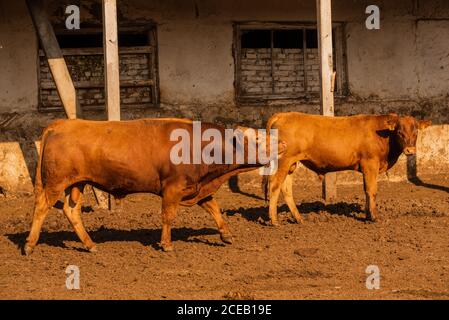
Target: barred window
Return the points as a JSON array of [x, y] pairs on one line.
[[275, 61], [83, 53]]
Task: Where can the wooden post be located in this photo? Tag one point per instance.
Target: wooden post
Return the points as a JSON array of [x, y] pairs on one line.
[[111, 64], [111, 59], [56, 62], [324, 18]]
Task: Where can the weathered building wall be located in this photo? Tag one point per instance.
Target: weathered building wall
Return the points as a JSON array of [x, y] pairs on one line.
[[403, 68], [386, 64], [406, 60], [18, 68]]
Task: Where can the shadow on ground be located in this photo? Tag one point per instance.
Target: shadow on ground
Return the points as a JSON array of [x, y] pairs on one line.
[[233, 185], [351, 210], [418, 182], [147, 237], [412, 176]]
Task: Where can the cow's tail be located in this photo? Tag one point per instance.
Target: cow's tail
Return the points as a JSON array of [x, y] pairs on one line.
[[265, 187], [39, 181], [271, 122]]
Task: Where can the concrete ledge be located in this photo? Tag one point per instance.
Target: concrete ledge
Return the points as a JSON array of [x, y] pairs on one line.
[[19, 153], [14, 174]]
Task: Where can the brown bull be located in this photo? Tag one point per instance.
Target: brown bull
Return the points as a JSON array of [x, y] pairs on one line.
[[369, 144], [123, 158]]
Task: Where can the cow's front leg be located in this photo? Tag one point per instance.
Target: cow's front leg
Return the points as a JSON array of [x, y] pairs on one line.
[[211, 206], [370, 173]]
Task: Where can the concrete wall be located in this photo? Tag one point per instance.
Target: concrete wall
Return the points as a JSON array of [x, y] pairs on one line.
[[18, 59], [403, 68]]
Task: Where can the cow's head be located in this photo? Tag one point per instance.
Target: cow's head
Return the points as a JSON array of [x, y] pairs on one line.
[[406, 131]]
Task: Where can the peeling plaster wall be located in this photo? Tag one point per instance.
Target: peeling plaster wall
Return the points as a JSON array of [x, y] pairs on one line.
[[433, 55], [379, 66], [18, 59]]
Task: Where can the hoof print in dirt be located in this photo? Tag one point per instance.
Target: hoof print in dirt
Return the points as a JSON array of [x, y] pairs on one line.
[[305, 252]]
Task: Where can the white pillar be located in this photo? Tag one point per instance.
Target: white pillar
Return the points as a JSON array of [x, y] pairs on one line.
[[111, 59], [324, 18]]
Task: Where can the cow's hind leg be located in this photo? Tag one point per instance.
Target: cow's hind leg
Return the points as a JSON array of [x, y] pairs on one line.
[[72, 209], [275, 183], [41, 208], [287, 191], [210, 205]]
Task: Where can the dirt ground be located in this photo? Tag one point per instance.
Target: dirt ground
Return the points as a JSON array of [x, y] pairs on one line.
[[325, 258]]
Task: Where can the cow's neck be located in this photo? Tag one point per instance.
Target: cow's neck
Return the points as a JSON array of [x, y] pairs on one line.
[[224, 171], [214, 179]]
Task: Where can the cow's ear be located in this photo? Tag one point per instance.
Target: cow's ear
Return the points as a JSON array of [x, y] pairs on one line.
[[391, 122], [422, 124]]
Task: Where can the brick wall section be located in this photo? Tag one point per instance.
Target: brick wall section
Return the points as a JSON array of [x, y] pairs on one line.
[[90, 68], [256, 78], [288, 71], [313, 71]]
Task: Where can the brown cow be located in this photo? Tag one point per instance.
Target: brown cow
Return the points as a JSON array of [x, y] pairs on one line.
[[123, 158], [370, 144]]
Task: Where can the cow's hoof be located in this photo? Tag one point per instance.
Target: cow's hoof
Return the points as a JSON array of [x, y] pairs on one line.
[[28, 250], [371, 219], [299, 220], [226, 238], [274, 223], [93, 249], [167, 247]]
